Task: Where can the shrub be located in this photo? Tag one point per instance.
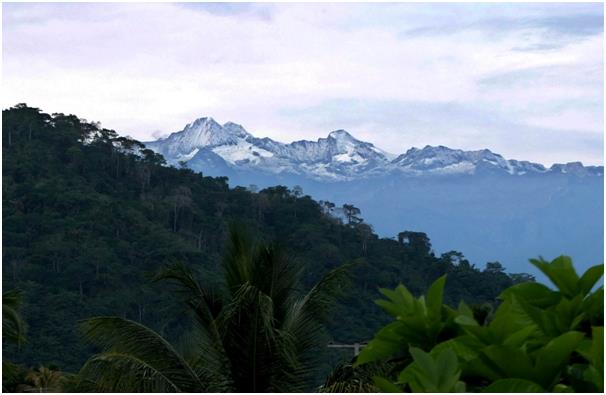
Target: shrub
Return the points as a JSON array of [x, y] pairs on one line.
[[538, 339]]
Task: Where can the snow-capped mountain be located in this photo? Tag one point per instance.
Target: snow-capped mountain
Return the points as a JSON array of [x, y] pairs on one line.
[[337, 157], [208, 146]]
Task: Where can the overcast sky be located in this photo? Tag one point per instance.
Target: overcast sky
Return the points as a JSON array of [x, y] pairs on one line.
[[523, 80]]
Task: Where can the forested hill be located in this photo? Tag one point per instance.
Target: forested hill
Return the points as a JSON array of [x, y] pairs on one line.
[[89, 215]]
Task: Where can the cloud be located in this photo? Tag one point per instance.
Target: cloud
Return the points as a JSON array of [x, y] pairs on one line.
[[291, 71], [558, 27]]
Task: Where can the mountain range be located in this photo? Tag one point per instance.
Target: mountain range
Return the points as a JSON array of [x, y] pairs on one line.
[[207, 145], [492, 208]]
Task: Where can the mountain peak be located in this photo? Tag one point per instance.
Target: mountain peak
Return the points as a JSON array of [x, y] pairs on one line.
[[235, 129], [341, 135], [203, 121], [201, 133]]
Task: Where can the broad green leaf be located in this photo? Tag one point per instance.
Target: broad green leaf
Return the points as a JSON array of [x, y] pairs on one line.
[[558, 319], [477, 367], [435, 372], [536, 294], [554, 356], [400, 303], [482, 334], [567, 315], [400, 295], [597, 347], [513, 385], [561, 273], [385, 344], [448, 370], [583, 378], [595, 377], [466, 321], [508, 362], [465, 347], [593, 306], [424, 361], [511, 316], [584, 349], [434, 298], [418, 379], [385, 385], [516, 339], [590, 278], [391, 308], [462, 316]]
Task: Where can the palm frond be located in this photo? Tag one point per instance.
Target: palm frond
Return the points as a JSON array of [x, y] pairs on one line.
[[238, 259], [248, 300], [321, 297], [302, 335], [119, 372], [276, 275], [118, 335], [13, 326], [205, 303], [204, 351], [248, 328], [202, 347]]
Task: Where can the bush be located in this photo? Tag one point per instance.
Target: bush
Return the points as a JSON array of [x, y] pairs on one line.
[[538, 339]]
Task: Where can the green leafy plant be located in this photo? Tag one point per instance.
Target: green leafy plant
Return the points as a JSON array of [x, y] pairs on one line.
[[538, 339], [432, 373]]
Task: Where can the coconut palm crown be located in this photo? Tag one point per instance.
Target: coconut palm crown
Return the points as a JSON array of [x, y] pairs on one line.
[[255, 333]]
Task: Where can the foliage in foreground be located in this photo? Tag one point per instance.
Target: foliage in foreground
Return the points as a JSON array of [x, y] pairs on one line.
[[537, 340], [255, 334]]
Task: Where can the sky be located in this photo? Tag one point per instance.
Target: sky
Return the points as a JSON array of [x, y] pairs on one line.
[[524, 80]]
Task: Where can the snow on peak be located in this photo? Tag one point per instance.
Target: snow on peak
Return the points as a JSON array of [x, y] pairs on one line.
[[203, 132], [210, 121], [447, 160], [341, 135], [235, 129], [339, 156]]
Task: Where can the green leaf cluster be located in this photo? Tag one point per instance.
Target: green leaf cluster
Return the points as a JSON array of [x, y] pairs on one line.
[[538, 340]]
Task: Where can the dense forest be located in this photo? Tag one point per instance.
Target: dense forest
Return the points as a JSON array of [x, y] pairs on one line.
[[89, 217]]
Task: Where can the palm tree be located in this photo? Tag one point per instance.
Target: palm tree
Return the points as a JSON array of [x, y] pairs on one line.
[[255, 333], [43, 380]]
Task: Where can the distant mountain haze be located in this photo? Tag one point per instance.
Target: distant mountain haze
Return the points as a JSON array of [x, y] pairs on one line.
[[478, 202]]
